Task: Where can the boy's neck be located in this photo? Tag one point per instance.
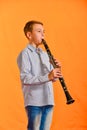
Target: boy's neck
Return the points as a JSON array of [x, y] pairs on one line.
[[33, 44]]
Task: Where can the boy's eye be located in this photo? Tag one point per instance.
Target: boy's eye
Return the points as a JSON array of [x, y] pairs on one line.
[[39, 31]]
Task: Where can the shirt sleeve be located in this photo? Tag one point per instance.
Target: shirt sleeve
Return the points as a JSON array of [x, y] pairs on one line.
[[25, 71]]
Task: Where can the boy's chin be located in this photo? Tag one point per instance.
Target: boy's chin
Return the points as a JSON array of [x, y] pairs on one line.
[[39, 43]]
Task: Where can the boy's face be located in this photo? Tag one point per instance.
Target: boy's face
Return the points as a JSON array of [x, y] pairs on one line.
[[37, 34]]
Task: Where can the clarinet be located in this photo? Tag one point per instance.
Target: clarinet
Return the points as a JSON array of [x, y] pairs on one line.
[[66, 92]]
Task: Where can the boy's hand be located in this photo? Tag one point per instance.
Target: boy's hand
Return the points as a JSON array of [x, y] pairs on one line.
[[57, 63], [55, 73]]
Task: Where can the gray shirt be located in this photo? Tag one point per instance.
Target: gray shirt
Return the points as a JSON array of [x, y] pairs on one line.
[[34, 67]]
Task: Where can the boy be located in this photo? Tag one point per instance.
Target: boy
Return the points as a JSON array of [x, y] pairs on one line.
[[37, 74]]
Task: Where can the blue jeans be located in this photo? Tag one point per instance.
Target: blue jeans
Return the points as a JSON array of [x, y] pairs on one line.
[[39, 117]]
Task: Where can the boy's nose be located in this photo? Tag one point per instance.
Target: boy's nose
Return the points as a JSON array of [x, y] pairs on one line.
[[42, 35]]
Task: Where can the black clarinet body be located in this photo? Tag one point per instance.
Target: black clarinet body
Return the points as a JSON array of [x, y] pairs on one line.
[[68, 96]]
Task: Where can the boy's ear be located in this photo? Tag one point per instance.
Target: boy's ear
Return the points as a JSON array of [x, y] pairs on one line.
[[28, 35]]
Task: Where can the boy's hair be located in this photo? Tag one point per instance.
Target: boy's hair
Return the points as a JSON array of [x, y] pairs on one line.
[[29, 26]]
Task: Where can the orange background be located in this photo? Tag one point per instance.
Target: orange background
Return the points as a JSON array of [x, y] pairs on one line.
[[65, 22]]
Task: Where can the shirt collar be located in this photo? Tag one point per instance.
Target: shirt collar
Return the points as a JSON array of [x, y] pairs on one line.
[[33, 49]]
